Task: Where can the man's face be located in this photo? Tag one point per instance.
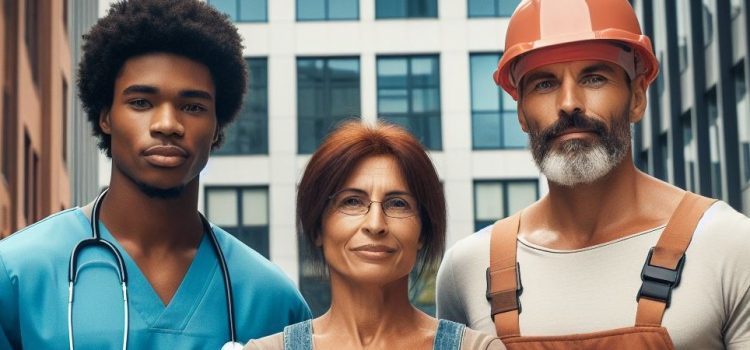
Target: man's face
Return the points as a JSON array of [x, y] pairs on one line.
[[578, 116], [162, 122]]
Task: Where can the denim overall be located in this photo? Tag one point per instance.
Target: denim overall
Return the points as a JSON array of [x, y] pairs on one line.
[[448, 336]]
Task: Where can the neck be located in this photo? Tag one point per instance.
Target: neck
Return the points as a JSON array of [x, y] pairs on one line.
[[623, 202], [134, 218], [370, 314]]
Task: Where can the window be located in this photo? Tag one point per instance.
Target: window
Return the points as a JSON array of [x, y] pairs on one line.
[[243, 10], [743, 118], [327, 93], [666, 156], [7, 133], [241, 211], [405, 9], [736, 7], [327, 10], [31, 182], [409, 95], [492, 8], [497, 199], [249, 132], [682, 27], [494, 117], [716, 149], [690, 152], [708, 21], [31, 37], [64, 128]]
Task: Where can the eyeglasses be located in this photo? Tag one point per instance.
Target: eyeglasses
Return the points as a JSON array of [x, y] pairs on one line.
[[355, 203]]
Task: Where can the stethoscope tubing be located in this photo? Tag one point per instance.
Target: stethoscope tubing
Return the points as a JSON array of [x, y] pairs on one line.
[[96, 240]]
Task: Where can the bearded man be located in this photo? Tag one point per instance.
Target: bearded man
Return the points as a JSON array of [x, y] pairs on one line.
[[612, 258]]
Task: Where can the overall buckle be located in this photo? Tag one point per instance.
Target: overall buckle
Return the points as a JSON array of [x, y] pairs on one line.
[[504, 300], [658, 282]]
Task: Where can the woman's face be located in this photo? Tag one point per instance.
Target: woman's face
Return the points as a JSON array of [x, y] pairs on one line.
[[370, 246]]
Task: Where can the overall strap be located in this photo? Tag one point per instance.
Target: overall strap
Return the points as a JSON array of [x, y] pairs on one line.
[[448, 336], [298, 336], [504, 277], [663, 267]]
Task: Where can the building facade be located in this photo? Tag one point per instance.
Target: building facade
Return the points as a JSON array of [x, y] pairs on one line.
[[696, 133], [424, 64], [35, 85]]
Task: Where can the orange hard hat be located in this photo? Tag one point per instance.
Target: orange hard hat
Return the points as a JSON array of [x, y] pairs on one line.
[[544, 24]]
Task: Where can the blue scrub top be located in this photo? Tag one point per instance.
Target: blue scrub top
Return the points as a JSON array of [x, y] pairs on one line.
[[34, 294]]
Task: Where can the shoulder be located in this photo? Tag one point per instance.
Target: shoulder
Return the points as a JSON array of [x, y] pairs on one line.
[[475, 340], [725, 231], [466, 249], [271, 342], [52, 236]]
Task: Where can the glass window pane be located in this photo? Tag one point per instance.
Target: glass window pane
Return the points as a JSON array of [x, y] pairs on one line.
[[690, 152], [221, 206], [505, 8], [513, 135], [486, 130], [255, 207], [521, 195], [393, 101], [390, 8], [253, 10], [434, 128], [343, 9], [488, 200], [482, 8], [249, 132], [715, 145], [743, 118], [425, 100], [226, 6], [485, 95], [392, 72], [424, 71], [311, 9], [421, 8]]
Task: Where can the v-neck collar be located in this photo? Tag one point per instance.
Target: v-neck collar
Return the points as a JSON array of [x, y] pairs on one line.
[[143, 298]]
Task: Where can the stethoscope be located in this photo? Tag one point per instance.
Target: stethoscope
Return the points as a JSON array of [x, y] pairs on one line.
[[97, 241]]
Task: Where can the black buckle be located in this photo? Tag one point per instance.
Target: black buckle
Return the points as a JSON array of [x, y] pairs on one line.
[[658, 282], [519, 286]]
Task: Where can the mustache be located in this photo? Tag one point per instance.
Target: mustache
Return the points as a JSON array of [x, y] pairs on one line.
[[576, 120]]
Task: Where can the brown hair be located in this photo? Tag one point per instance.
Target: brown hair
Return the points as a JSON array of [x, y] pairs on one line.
[[335, 160]]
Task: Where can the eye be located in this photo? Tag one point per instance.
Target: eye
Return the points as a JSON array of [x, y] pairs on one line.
[[594, 80], [398, 204], [544, 85], [194, 108], [351, 202], [139, 104]]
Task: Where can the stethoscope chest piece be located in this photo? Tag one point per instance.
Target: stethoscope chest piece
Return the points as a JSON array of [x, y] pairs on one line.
[[232, 345]]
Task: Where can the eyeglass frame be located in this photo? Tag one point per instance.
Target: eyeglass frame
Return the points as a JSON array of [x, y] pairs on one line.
[[416, 205]]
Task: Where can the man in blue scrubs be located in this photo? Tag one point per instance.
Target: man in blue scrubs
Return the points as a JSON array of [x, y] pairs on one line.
[[159, 80]]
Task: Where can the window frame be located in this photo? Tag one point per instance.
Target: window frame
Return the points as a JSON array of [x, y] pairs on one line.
[[480, 224], [238, 192], [409, 87], [327, 11], [235, 17]]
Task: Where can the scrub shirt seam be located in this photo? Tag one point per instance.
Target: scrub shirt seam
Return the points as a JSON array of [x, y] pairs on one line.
[[204, 295], [28, 228]]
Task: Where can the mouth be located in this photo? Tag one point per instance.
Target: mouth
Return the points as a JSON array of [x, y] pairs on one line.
[[374, 251], [574, 133], [165, 156]]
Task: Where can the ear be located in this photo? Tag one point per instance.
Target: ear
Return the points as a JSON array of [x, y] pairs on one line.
[[638, 100], [522, 118], [105, 122]]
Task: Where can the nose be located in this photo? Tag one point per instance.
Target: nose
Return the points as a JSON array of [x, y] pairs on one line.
[[166, 121], [375, 221], [570, 100]]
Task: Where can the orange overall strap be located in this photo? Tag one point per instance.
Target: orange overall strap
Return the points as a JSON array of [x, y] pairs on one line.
[[662, 272], [503, 279]]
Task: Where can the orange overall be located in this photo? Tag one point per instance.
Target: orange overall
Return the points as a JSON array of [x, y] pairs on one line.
[[660, 274]]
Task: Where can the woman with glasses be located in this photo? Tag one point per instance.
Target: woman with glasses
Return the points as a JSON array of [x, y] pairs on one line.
[[370, 207]]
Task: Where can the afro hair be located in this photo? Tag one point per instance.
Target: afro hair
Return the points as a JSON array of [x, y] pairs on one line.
[[188, 28]]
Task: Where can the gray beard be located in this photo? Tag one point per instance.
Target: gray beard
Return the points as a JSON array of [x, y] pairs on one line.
[[577, 161]]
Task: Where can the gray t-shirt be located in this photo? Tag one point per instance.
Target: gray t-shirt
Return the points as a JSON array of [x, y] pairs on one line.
[[594, 289]]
